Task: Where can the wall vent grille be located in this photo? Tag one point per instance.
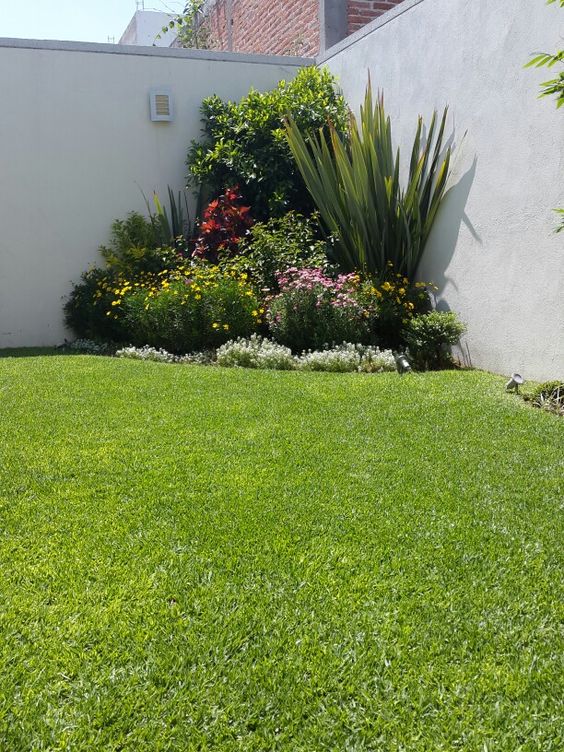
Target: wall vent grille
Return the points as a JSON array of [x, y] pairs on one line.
[[161, 105]]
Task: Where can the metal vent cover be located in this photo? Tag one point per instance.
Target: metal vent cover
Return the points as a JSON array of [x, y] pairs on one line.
[[161, 105]]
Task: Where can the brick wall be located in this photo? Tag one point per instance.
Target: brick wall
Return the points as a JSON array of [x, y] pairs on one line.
[[290, 27], [283, 27], [361, 12]]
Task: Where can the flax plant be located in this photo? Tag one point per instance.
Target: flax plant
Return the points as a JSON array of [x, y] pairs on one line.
[[354, 180]]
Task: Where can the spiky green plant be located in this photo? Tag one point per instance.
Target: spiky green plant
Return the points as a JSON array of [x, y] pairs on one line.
[[170, 229], [354, 180]]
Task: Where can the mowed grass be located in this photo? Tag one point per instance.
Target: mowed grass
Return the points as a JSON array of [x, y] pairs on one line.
[[203, 559]]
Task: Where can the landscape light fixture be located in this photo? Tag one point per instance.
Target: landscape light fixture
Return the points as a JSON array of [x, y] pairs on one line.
[[514, 383], [402, 363]]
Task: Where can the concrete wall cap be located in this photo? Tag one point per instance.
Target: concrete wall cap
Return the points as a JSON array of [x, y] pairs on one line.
[[178, 53]]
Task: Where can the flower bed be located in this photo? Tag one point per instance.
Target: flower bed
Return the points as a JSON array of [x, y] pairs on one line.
[[262, 353]]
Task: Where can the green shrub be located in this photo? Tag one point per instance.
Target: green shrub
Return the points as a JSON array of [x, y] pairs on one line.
[[390, 303], [429, 338], [244, 143], [312, 310], [278, 244], [548, 396], [133, 251], [86, 307], [135, 246], [194, 308]]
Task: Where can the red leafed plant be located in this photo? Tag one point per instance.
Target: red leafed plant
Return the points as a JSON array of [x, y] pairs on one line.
[[226, 222]]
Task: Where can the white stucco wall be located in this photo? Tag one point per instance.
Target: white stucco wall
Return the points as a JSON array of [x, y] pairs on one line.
[[493, 253], [76, 147]]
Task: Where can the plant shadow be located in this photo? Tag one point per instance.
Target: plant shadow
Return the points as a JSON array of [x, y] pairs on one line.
[[450, 218]]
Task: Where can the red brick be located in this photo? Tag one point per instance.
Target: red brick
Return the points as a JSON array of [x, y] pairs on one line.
[[277, 28]]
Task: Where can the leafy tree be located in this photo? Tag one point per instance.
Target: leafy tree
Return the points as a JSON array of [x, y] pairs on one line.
[[191, 26]]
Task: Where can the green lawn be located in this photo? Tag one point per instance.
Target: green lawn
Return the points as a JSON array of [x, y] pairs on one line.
[[201, 559]]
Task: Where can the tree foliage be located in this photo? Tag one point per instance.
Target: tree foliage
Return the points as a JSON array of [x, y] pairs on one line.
[[191, 26]]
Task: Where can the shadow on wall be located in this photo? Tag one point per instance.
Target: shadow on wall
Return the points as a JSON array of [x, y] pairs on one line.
[[444, 239], [444, 236]]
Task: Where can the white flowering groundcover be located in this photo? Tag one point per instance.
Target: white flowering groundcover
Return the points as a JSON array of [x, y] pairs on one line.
[[263, 353]]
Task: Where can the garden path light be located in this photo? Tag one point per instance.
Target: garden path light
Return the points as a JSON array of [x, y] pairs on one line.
[[514, 382]]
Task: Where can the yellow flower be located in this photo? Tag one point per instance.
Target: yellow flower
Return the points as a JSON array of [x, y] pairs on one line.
[[215, 326], [255, 313], [226, 327]]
